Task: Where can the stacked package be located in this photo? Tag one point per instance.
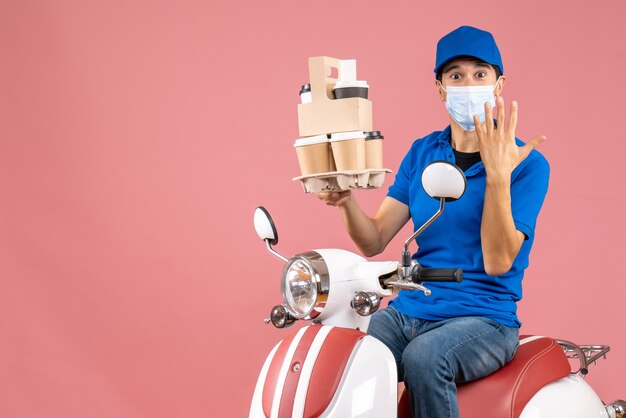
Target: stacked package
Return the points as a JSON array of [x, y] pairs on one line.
[[337, 148]]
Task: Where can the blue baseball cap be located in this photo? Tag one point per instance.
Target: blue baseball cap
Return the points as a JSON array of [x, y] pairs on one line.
[[468, 41]]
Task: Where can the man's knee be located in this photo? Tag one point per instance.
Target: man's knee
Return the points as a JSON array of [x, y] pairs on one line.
[[425, 359]]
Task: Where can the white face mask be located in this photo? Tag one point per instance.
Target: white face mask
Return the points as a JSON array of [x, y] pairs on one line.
[[466, 101]]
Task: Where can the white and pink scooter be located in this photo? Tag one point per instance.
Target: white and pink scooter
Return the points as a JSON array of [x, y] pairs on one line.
[[333, 369]]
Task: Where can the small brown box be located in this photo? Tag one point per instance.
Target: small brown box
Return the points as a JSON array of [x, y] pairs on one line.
[[327, 115]]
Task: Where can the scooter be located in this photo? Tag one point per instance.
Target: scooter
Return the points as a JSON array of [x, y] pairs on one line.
[[332, 368]]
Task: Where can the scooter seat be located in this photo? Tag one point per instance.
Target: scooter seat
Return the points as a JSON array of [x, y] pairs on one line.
[[505, 393]]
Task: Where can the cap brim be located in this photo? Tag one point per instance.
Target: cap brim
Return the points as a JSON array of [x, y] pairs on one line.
[[461, 56]]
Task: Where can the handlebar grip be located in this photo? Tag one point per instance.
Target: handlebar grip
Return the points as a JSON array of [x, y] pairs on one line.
[[439, 275]]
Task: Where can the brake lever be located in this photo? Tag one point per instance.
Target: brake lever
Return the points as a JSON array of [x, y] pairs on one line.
[[408, 285]]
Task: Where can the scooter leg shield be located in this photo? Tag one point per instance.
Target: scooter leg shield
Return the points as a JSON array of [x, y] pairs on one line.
[[324, 371]]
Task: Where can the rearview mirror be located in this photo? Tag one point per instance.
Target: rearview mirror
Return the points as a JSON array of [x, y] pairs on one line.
[[264, 226], [443, 180]]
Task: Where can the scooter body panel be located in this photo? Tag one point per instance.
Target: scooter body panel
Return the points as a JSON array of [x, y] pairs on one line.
[[569, 397], [256, 409], [349, 274], [367, 387]]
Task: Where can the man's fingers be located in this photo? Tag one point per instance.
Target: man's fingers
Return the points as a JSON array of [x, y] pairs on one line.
[[537, 140], [488, 119], [334, 198], [512, 119], [479, 129], [531, 145], [500, 108], [327, 197]]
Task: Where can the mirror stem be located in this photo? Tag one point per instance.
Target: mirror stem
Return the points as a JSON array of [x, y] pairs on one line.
[[271, 250], [426, 225]]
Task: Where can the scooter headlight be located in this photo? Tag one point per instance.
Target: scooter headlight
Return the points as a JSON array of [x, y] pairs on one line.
[[305, 285]]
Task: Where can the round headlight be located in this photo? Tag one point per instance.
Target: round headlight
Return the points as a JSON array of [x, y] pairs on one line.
[[305, 285]]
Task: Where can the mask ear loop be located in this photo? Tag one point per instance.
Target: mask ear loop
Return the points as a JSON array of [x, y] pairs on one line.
[[496, 83], [442, 87]]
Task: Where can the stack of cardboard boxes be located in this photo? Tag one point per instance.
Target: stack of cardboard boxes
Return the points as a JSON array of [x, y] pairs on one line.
[[337, 149]]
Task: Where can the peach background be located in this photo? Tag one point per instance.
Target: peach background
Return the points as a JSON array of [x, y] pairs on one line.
[[137, 137]]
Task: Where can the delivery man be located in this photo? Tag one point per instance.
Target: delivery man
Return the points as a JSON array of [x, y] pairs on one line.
[[463, 331]]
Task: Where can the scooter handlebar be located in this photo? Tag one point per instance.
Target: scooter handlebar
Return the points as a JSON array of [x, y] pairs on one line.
[[437, 275]]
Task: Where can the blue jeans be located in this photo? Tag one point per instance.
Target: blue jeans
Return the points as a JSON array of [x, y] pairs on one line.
[[432, 356]]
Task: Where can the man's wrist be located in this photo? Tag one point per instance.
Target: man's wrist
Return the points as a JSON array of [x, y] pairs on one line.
[[346, 201], [498, 179]]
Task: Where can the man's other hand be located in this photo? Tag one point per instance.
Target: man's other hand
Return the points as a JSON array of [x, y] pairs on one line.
[[335, 198]]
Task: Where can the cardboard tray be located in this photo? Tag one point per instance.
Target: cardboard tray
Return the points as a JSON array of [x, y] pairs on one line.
[[336, 181]]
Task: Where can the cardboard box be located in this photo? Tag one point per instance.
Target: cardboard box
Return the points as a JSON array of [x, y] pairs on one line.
[[326, 115]]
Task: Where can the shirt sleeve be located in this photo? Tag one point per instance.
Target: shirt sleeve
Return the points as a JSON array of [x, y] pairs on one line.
[[399, 190], [528, 191]]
